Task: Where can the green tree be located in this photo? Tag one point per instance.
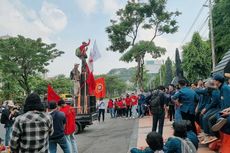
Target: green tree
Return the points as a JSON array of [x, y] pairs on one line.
[[23, 57], [197, 58], [123, 32], [62, 84], [114, 85], [221, 24], [169, 73], [137, 53]]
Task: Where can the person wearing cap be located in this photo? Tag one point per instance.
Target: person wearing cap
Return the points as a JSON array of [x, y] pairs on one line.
[[70, 126], [58, 137], [31, 131], [223, 122], [7, 118]]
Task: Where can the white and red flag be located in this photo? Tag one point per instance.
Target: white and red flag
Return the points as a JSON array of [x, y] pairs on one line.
[[94, 55]]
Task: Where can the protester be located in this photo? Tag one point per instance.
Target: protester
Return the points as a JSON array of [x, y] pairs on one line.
[[179, 143], [128, 103], [111, 108], [225, 103], [7, 118], [211, 107], [141, 107], [115, 108], [157, 106], [171, 103], [155, 144], [70, 126], [191, 135], [186, 99], [134, 104], [58, 137], [30, 127], [101, 109]]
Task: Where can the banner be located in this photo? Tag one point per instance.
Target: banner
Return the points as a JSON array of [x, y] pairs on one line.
[[100, 89], [52, 95]]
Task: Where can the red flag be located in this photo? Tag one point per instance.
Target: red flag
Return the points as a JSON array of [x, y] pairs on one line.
[[100, 89], [52, 95], [90, 81]]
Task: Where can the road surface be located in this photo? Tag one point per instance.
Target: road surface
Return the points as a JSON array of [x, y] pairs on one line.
[[112, 136]]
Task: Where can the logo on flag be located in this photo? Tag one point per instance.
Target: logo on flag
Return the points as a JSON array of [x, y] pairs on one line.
[[100, 89]]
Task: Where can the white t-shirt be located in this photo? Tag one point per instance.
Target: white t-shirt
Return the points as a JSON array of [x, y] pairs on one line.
[[101, 105]]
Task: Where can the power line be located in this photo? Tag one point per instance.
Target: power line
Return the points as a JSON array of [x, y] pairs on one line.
[[203, 24], [194, 22]]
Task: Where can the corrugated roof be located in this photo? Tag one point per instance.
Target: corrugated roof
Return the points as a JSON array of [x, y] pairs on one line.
[[222, 64]]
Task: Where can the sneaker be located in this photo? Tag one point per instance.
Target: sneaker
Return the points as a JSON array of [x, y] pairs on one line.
[[220, 123], [209, 139]]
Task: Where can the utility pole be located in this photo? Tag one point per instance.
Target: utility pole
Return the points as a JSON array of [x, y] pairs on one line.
[[212, 36]]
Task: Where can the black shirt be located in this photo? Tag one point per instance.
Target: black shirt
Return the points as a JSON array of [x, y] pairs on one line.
[[58, 124]]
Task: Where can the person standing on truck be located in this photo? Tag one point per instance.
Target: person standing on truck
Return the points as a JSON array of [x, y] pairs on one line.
[[70, 126], [101, 109]]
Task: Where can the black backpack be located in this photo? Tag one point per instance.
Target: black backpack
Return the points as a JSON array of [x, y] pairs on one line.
[[155, 104], [4, 116]]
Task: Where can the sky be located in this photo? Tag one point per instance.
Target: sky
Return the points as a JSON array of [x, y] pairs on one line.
[[68, 23]]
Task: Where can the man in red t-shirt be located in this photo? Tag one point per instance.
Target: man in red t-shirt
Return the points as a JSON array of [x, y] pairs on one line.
[[134, 102], [128, 106], [70, 126], [111, 108]]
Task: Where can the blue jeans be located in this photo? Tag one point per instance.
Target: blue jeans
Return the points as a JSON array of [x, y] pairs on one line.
[[158, 117], [63, 144], [7, 135], [178, 116], [111, 111], [72, 143], [141, 110], [205, 121]]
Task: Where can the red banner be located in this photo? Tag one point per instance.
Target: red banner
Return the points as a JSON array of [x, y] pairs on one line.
[[100, 89], [52, 95]]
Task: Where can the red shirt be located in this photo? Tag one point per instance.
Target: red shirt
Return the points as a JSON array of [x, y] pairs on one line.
[[134, 100], [120, 104], [128, 101], [110, 104], [70, 115]]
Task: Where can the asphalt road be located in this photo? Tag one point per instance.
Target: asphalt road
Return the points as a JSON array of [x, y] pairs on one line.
[[112, 136]]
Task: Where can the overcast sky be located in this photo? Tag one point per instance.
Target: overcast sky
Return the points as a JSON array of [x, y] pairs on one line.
[[69, 22]]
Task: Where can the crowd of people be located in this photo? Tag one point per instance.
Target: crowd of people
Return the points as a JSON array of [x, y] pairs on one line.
[[40, 129], [200, 113]]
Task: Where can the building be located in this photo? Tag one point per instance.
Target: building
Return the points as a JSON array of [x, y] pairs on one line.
[[153, 66]]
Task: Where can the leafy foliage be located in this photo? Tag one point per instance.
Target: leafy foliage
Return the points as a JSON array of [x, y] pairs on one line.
[[197, 58], [159, 19], [137, 53], [23, 57], [221, 24]]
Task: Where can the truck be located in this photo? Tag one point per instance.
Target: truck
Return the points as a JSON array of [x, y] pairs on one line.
[[83, 119], [86, 118]]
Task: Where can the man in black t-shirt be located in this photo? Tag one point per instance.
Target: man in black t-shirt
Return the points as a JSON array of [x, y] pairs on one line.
[[157, 107], [58, 136]]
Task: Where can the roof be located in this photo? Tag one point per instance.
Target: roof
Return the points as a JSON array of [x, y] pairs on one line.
[[224, 65]]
